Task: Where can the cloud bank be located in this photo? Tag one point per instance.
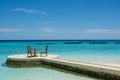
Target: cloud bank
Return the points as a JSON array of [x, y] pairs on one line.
[[59, 33], [11, 30], [101, 31]]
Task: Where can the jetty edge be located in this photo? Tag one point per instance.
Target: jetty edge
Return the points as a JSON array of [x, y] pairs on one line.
[[93, 70]]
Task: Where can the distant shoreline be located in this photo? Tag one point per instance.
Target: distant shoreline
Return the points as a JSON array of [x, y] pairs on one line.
[[58, 40]]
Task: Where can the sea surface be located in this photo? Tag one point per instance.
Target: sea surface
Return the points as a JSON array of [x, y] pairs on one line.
[[106, 52]]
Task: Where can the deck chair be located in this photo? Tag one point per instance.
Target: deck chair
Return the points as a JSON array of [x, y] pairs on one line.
[[43, 54], [29, 52]]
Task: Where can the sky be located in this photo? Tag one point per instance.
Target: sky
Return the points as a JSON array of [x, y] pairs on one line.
[[59, 19]]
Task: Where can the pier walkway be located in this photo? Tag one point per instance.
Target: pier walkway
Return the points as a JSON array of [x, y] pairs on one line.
[[95, 70]]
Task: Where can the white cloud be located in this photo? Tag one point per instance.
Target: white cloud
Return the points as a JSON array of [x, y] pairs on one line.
[[48, 30], [23, 10], [101, 31], [11, 30], [29, 11]]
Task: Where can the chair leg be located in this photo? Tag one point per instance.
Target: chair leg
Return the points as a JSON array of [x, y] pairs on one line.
[[40, 55]]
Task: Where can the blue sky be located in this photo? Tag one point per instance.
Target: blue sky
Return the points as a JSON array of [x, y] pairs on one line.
[[59, 19]]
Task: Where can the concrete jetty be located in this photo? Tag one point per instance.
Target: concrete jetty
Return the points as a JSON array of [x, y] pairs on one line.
[[94, 70], [22, 60]]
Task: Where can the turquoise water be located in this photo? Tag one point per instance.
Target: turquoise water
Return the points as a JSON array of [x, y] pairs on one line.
[[107, 52]]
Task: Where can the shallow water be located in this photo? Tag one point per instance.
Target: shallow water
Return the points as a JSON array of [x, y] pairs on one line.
[[108, 54]]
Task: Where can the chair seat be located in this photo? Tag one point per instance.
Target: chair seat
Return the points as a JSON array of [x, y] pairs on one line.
[[32, 55]]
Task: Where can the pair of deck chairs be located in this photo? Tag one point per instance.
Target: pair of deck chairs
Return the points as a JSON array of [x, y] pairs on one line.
[[31, 52]]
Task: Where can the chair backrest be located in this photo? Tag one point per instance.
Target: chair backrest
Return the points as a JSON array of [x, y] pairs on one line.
[[29, 50], [46, 49]]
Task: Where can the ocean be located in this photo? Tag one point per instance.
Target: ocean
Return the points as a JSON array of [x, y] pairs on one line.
[[105, 52]]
